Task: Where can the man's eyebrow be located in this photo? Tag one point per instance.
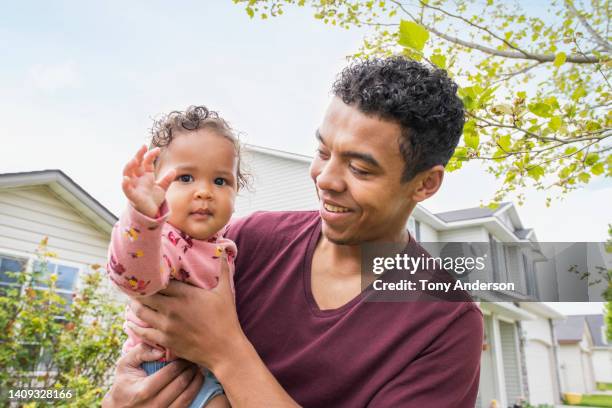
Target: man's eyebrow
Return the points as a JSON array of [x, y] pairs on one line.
[[366, 157]]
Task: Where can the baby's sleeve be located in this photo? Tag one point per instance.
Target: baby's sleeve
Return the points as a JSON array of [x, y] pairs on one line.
[[137, 255]]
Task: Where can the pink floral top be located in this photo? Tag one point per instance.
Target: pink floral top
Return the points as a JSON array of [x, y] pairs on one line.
[[145, 253]]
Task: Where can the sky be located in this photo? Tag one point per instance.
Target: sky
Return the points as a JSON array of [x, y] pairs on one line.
[[80, 83]]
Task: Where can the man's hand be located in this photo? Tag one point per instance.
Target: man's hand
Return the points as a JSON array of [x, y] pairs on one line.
[[175, 385], [198, 325], [139, 184]]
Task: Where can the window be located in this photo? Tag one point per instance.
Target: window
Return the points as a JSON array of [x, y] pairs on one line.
[[67, 275], [498, 259], [38, 358], [10, 264], [66, 279]]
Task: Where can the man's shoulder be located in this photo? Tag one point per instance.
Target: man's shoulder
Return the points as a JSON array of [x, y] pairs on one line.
[[262, 223]]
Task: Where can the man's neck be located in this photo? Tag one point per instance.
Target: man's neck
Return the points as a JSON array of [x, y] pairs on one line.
[[345, 260]]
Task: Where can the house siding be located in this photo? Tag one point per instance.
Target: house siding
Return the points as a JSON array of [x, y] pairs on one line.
[[279, 184], [27, 215], [474, 234]]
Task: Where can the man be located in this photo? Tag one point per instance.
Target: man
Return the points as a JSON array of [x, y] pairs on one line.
[[302, 331]]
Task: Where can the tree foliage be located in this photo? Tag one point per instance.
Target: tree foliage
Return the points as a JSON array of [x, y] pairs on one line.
[[46, 343], [534, 82]]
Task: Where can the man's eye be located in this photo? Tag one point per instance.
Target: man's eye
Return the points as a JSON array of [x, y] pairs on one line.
[[185, 178], [220, 181], [357, 171], [322, 154]]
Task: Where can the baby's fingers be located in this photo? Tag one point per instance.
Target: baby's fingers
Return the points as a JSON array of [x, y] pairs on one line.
[[138, 168], [149, 158], [127, 186], [165, 181], [131, 169]]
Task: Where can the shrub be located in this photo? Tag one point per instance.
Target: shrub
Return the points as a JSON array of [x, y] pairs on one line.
[[47, 343]]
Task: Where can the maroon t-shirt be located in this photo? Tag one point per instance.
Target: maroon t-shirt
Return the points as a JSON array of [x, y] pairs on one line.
[[374, 354]]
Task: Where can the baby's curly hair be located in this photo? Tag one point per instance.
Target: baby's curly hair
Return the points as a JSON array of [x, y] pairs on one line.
[[165, 129], [423, 101]]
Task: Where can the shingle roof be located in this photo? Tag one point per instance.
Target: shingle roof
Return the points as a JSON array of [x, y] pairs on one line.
[[569, 330], [595, 323], [465, 214]]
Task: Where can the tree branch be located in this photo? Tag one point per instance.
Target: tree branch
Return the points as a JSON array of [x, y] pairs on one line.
[[540, 137], [596, 37], [479, 27], [573, 58]]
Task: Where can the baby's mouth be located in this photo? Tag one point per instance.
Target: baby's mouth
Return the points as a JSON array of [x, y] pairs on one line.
[[202, 211]]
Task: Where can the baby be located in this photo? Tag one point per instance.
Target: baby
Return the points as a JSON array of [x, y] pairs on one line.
[[181, 195]]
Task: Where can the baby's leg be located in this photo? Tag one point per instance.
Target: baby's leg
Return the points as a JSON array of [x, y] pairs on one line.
[[151, 367], [210, 395], [220, 401]]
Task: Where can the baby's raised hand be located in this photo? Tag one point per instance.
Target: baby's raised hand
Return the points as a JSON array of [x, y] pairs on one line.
[[139, 185]]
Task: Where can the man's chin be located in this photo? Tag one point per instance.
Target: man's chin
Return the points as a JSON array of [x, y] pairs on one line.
[[337, 239]]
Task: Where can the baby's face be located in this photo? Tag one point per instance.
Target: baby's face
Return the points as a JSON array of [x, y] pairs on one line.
[[201, 199]]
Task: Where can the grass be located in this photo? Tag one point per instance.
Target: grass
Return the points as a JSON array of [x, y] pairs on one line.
[[591, 400], [602, 386]]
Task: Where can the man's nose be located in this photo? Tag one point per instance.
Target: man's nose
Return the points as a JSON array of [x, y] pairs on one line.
[[330, 177]]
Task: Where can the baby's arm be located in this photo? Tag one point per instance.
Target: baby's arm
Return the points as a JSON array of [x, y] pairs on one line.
[[135, 254], [138, 262]]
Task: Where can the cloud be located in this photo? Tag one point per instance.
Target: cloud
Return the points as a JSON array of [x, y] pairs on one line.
[[53, 77]]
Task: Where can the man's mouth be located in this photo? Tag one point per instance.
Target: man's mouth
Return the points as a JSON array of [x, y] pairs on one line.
[[335, 208]]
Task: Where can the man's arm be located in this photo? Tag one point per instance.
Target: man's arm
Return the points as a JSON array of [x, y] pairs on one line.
[[202, 326]]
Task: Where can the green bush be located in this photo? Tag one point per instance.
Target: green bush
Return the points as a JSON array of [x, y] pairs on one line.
[[47, 343]]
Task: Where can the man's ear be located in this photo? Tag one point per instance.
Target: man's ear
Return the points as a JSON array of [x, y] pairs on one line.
[[427, 183]]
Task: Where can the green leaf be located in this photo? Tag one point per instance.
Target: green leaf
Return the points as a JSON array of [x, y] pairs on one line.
[[412, 35], [597, 169], [584, 177], [579, 93], [540, 109], [536, 172], [502, 109], [504, 142], [439, 60], [555, 123], [560, 59], [460, 153], [471, 140], [591, 159], [250, 12], [570, 150]]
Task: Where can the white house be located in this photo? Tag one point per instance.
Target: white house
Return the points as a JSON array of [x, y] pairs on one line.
[[541, 354], [575, 355], [602, 349], [48, 203]]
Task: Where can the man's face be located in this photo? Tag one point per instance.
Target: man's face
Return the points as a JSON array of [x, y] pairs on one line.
[[357, 172]]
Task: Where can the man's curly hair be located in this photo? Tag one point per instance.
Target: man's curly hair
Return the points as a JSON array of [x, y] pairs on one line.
[[423, 101], [166, 128]]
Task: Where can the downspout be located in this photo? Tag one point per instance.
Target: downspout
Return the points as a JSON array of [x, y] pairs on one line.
[[556, 361]]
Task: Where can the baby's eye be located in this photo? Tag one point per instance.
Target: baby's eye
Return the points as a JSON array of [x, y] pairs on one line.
[[185, 178], [220, 181]]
